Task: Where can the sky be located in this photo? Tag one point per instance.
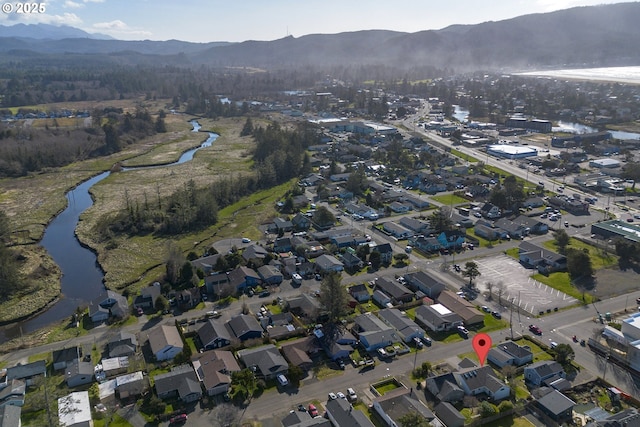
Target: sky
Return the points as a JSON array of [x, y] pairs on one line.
[[241, 20]]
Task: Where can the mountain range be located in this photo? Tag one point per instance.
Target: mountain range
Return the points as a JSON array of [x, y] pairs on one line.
[[604, 35]]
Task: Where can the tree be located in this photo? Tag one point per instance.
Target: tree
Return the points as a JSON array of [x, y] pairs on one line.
[[579, 264], [505, 406], [247, 129], [323, 217], [333, 297], [631, 171], [401, 259], [487, 409], [111, 139], [243, 384], [564, 354], [489, 286], [225, 415], [161, 304], [509, 371], [413, 419], [562, 240], [160, 126], [471, 271], [375, 258], [440, 222]]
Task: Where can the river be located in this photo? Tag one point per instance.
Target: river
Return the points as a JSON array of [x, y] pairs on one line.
[[82, 277]]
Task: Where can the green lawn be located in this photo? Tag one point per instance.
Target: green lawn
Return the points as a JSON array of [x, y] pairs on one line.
[[562, 282], [116, 421], [464, 156], [599, 258], [513, 253], [449, 199], [491, 324]]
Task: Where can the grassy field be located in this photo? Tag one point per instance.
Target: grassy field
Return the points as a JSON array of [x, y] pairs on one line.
[[464, 156], [599, 258], [449, 199], [562, 282]]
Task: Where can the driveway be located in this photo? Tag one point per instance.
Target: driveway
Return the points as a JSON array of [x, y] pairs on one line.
[[531, 295]]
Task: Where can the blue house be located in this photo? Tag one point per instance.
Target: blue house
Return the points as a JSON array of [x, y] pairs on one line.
[[451, 239]]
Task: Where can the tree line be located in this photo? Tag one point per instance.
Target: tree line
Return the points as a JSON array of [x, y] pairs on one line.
[[11, 279], [279, 156]]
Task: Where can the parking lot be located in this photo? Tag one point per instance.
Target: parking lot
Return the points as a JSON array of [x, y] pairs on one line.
[[532, 296]]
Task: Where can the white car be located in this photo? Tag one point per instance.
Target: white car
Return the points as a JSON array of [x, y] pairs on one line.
[[332, 396], [341, 395], [352, 394], [246, 240]]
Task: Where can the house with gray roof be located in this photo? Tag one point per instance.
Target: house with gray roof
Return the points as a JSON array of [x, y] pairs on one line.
[[10, 415], [399, 293], [266, 361], [437, 318], [306, 306], [482, 382], [359, 292], [147, 298], [427, 284], [386, 252], [244, 327], [243, 277], [213, 334], [298, 352], [254, 251], [534, 224], [413, 224], [557, 406], [373, 332], [13, 393], [544, 370], [342, 414], [78, 373], [165, 342], [534, 256], [406, 328], [445, 387], [207, 263], [181, 382], [213, 369], [397, 230], [510, 353], [328, 263], [64, 356], [449, 415], [425, 244], [27, 372], [394, 404], [270, 275], [303, 419], [108, 304], [513, 229], [123, 344]]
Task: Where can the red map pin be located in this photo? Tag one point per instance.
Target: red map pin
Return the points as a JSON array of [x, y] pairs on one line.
[[482, 345]]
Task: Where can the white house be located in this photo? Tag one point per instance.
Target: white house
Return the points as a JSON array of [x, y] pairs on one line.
[[165, 342]]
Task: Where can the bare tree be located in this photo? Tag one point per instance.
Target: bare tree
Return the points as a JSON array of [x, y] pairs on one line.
[[500, 288], [489, 286], [225, 415]]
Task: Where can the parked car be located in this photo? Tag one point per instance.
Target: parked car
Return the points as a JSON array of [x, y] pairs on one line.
[[341, 364], [282, 380], [341, 395], [264, 294], [463, 331], [246, 240], [178, 419], [486, 309], [332, 396], [417, 342], [313, 411], [382, 353], [535, 329], [427, 341], [496, 314], [352, 394]]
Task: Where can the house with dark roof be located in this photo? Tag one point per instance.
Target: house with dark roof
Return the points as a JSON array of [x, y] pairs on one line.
[[449, 415], [557, 406], [463, 308], [244, 327], [342, 414], [165, 342], [306, 306], [131, 385], [373, 332], [301, 222], [123, 344], [28, 371], [213, 369], [351, 261], [544, 260], [298, 352], [207, 263], [486, 231], [328, 263], [281, 225], [386, 252], [270, 275], [10, 416], [510, 353], [338, 345], [78, 373], [513, 229], [254, 251], [425, 244], [406, 328], [544, 370], [399, 293], [534, 225], [213, 334], [64, 356], [490, 211], [482, 382], [391, 406], [397, 230], [243, 277], [181, 382], [359, 292], [147, 298], [303, 419], [445, 387], [214, 283], [108, 304], [282, 244], [266, 361], [13, 393], [413, 224], [427, 284], [437, 318], [451, 239]]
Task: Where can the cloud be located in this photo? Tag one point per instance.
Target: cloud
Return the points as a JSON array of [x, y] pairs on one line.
[[117, 28], [69, 4], [70, 19]]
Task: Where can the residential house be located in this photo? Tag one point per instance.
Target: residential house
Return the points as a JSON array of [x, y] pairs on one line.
[[351, 261], [513, 229], [108, 304], [449, 415], [243, 277], [279, 326], [445, 387], [482, 382], [337, 346], [544, 260], [115, 365], [281, 225], [465, 309], [396, 230], [213, 369], [207, 263], [417, 202], [406, 328], [425, 283], [165, 342], [399, 293], [64, 356], [533, 202], [437, 318], [123, 344], [559, 407], [510, 353], [328, 264], [399, 207], [266, 361], [298, 352], [394, 404], [244, 327], [425, 244], [359, 292], [13, 393], [386, 252], [74, 410], [303, 419], [213, 334], [282, 244], [188, 298], [216, 282], [451, 239], [181, 382], [301, 222], [131, 386], [487, 232], [342, 414], [342, 242], [413, 224], [490, 211], [254, 251], [305, 306], [78, 373], [534, 225], [373, 332], [270, 275], [300, 201], [27, 372], [382, 299], [10, 416], [147, 298], [544, 370]]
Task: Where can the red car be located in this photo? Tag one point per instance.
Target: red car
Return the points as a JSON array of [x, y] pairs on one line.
[[313, 411], [178, 419], [535, 329]]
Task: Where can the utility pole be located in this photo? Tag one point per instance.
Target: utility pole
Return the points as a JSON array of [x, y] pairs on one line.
[[511, 317]]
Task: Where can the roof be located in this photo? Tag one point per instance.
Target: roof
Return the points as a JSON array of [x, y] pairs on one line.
[[449, 414], [297, 352], [10, 415], [477, 378], [266, 358], [545, 368], [400, 322], [214, 367], [345, 416], [508, 349], [182, 379], [74, 408], [327, 262], [254, 251], [123, 343], [211, 331], [368, 322], [536, 253], [163, 336], [66, 354], [393, 289], [242, 324], [556, 402], [462, 307], [401, 401], [78, 367], [39, 367]]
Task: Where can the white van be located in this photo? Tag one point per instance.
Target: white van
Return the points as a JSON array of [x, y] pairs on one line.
[[296, 279], [282, 380]]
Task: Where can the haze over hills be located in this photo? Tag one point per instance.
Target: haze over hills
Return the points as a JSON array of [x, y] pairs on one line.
[[605, 35]]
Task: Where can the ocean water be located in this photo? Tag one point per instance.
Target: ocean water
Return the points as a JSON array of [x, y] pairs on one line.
[[611, 74]]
